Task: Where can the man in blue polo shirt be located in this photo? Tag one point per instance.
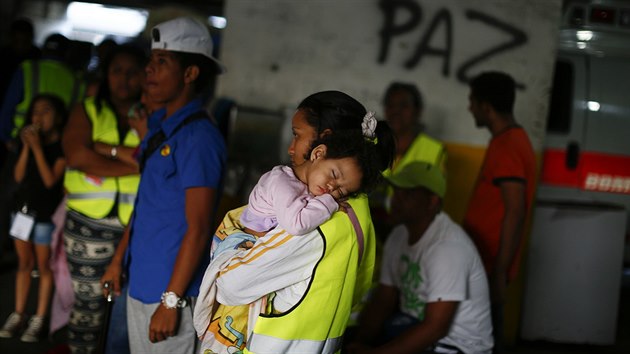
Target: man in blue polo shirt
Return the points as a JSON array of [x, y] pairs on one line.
[[182, 161]]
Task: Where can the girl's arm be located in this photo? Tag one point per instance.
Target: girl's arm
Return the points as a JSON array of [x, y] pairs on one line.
[[20, 167], [297, 211]]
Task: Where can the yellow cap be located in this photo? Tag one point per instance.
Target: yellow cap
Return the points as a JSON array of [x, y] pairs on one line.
[[419, 174]]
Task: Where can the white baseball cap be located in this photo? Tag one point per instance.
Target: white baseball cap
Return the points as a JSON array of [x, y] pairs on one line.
[[184, 34]]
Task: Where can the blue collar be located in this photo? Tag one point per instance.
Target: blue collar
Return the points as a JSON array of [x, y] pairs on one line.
[[170, 123]]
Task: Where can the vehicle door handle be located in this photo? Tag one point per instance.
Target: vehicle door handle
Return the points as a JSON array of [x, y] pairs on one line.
[[573, 155]]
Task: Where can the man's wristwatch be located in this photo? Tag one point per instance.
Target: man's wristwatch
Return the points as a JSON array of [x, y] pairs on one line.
[[113, 152], [170, 300]]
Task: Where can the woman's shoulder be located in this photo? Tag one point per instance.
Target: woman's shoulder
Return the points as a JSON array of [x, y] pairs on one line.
[[360, 210]]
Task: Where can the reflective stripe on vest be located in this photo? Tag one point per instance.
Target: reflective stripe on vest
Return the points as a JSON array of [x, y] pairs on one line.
[[126, 198], [45, 76], [318, 321], [269, 344], [94, 196]]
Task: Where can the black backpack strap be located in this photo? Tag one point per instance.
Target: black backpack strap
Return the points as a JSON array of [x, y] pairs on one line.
[[158, 138]]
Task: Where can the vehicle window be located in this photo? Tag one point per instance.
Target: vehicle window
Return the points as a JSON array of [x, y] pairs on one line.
[[560, 107]]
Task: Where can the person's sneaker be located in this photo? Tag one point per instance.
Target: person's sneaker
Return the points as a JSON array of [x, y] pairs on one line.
[[13, 325], [34, 329]]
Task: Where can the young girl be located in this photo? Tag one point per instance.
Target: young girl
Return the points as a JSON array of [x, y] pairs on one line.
[[300, 198], [39, 171]]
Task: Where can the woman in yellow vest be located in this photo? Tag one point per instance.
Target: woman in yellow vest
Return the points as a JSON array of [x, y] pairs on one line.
[[322, 275], [403, 106], [101, 182]]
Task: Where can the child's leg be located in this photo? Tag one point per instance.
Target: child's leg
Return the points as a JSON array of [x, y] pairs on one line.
[[42, 236], [26, 263], [45, 279]]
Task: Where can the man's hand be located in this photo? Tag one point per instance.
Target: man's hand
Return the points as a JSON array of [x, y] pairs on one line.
[[164, 323], [498, 286]]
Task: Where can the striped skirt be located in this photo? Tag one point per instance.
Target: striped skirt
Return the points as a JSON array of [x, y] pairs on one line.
[[90, 246]]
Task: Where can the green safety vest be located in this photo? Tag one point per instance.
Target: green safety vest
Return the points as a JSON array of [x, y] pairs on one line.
[[423, 148], [46, 76], [94, 196], [339, 281]]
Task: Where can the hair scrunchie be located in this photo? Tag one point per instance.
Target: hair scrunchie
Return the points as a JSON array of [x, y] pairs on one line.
[[368, 126]]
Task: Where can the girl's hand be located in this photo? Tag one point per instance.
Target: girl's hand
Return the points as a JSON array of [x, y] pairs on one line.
[[31, 136], [23, 137]]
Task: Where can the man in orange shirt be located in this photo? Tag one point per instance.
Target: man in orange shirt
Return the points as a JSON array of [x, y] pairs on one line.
[[505, 187]]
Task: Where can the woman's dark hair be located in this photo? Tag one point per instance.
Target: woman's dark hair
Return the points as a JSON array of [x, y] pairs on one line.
[[411, 89], [373, 155], [208, 69], [495, 88], [104, 92], [332, 110], [61, 112]]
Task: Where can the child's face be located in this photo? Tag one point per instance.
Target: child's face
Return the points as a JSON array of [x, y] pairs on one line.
[[44, 116], [165, 76], [339, 177]]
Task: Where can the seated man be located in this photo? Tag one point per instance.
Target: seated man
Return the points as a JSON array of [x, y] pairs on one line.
[[433, 291]]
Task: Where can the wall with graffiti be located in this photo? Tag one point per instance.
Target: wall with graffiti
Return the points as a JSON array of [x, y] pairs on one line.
[[279, 51]]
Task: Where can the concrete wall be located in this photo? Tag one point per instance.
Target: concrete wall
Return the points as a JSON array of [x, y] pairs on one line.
[[279, 51]]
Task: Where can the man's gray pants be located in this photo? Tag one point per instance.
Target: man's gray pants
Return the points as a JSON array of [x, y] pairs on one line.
[[138, 320]]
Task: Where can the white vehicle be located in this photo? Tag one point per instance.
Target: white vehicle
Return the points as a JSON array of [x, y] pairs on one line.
[[587, 145], [582, 211]]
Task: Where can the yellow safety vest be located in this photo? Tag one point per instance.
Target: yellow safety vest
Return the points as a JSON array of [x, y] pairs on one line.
[[46, 76], [423, 148], [339, 281], [94, 196]]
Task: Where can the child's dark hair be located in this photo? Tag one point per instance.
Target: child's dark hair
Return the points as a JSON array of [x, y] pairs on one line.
[[61, 112], [373, 155], [208, 69]]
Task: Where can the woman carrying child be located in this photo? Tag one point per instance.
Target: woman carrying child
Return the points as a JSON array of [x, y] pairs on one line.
[[313, 280]]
